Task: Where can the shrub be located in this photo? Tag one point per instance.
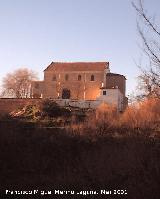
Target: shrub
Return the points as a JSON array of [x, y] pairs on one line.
[[66, 112], [106, 113], [102, 120], [141, 116], [80, 115], [145, 114], [52, 109], [32, 111]]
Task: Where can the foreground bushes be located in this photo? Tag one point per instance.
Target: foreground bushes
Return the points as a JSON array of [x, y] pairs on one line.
[[39, 158], [52, 109], [106, 151], [142, 115], [145, 114]]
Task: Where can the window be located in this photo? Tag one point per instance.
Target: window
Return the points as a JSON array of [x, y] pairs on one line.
[[79, 77], [104, 92], [54, 78], [66, 77], [92, 77]]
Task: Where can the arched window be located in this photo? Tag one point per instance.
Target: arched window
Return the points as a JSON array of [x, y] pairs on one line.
[[79, 77], [92, 77], [54, 78], [66, 77]]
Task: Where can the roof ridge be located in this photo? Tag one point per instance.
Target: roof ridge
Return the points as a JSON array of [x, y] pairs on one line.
[[70, 62], [82, 66]]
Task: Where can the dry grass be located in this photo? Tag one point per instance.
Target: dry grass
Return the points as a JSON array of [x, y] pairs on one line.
[[106, 119], [143, 115], [54, 158], [104, 114]]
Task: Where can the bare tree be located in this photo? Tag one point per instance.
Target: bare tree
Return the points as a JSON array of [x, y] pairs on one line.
[[18, 83], [149, 33]]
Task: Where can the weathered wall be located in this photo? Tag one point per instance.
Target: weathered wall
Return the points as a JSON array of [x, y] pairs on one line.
[[9, 104], [37, 89], [116, 80], [76, 87], [113, 97]]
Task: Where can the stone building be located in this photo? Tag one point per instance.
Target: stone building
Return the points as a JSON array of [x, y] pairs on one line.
[[80, 81]]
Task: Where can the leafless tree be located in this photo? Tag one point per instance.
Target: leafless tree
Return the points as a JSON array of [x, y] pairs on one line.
[[149, 33], [18, 83]]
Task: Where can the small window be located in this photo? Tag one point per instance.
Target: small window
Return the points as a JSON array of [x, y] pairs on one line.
[[54, 78], [104, 92], [79, 77], [92, 77], [36, 85], [66, 77]]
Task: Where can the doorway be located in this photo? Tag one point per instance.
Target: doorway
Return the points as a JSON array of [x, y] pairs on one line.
[[66, 93]]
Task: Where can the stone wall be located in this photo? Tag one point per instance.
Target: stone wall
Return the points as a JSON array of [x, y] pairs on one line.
[[116, 81], [54, 83], [112, 97], [37, 89], [9, 104]]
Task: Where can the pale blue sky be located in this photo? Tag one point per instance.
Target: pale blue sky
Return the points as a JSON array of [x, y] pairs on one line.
[[34, 33]]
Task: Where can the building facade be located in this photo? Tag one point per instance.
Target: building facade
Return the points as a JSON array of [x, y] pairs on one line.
[[79, 81]]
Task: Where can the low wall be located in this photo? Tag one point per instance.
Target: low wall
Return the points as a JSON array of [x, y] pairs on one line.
[[8, 105], [79, 103]]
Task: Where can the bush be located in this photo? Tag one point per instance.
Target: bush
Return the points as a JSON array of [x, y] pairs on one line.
[[66, 112], [80, 115], [145, 114], [32, 111], [140, 117], [52, 109], [106, 113]]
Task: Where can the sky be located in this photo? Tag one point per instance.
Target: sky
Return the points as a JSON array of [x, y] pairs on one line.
[[33, 33]]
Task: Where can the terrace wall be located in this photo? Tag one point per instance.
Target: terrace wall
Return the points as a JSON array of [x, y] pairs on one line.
[[7, 105]]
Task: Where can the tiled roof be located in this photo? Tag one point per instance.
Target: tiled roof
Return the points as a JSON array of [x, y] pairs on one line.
[[77, 66]]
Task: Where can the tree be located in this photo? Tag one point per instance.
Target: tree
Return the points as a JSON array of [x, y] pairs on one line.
[[18, 83], [149, 33]]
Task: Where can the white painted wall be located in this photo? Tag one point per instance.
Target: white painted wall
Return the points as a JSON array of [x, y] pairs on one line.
[[112, 97]]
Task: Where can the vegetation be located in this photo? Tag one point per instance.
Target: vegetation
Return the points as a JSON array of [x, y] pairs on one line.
[[45, 146], [52, 109], [79, 159], [142, 115], [106, 150], [149, 32], [18, 83]]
